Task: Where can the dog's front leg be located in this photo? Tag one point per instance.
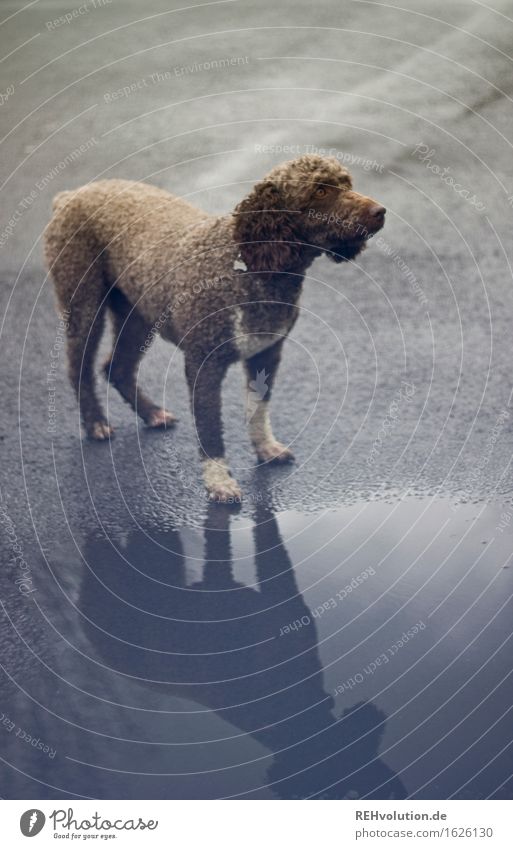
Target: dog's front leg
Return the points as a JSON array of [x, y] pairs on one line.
[[260, 372], [205, 381]]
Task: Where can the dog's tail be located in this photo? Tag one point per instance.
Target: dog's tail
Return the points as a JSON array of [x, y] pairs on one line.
[[73, 257]]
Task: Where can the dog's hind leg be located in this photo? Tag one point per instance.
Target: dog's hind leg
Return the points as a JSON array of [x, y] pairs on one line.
[[132, 337], [84, 334], [74, 260], [260, 373], [85, 315]]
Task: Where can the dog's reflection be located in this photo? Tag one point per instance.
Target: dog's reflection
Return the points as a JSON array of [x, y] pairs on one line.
[[216, 641]]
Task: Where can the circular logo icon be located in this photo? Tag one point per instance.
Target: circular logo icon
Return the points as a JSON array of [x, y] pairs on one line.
[[31, 822]]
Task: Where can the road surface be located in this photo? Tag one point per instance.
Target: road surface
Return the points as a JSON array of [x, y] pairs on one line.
[[144, 644]]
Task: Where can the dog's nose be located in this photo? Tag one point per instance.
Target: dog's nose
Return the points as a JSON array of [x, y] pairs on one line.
[[377, 211]]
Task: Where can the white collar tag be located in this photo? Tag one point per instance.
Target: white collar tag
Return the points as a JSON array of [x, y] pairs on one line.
[[239, 264]]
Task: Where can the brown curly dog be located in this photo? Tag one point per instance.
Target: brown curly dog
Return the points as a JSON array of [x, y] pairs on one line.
[[222, 288]]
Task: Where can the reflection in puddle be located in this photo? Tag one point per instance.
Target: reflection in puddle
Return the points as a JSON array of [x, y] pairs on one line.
[[226, 646], [356, 653], [372, 610]]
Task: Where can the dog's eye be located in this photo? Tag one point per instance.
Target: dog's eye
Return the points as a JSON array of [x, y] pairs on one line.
[[320, 192]]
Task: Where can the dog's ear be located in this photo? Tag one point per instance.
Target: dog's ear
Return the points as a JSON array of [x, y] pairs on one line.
[[265, 230]]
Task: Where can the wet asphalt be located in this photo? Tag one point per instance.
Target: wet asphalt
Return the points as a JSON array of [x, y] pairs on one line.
[[347, 632]]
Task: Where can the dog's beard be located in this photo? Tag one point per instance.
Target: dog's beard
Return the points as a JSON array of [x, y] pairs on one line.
[[344, 250]]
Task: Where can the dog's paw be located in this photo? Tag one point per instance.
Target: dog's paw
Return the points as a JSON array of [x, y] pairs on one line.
[[100, 431], [226, 493], [160, 418], [274, 452], [219, 483]]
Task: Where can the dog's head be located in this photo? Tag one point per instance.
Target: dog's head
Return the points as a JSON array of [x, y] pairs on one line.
[[300, 209]]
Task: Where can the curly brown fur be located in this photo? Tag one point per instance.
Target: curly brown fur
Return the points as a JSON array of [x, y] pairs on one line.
[[222, 288]]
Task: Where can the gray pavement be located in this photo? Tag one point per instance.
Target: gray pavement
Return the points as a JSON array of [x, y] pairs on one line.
[[395, 389]]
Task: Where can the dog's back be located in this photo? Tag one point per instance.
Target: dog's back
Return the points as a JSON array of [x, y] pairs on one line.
[[116, 232], [118, 217]]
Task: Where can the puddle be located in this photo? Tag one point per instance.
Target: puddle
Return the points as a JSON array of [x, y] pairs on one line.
[[361, 652]]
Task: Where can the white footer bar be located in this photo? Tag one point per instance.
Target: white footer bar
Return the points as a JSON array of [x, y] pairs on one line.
[[251, 824]]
